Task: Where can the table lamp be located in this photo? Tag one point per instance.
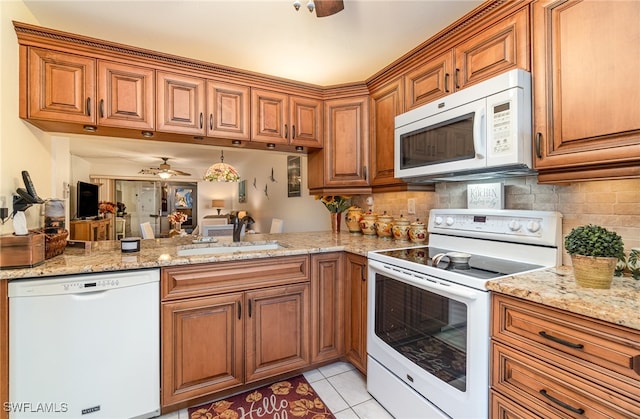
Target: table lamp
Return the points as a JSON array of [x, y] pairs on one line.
[[218, 204]]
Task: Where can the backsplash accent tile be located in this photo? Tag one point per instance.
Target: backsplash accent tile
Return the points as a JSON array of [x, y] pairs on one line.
[[613, 204]]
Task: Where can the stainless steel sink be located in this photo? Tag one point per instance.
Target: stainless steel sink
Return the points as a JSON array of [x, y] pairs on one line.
[[217, 248]]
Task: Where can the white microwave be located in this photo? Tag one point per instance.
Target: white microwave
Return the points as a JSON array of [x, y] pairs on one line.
[[482, 131]]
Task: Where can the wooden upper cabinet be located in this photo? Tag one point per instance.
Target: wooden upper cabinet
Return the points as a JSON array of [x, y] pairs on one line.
[[228, 110], [499, 48], [269, 114], [279, 118], [586, 89], [386, 103], [430, 81], [306, 121], [346, 153], [60, 87], [180, 103], [126, 96]]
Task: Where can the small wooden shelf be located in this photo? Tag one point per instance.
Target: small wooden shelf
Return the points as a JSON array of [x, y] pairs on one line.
[[90, 230]]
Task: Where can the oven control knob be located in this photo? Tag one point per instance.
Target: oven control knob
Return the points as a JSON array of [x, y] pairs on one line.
[[450, 221], [514, 225], [438, 220], [533, 226]]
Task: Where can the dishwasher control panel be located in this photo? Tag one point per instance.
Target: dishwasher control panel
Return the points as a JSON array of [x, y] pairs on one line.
[[79, 284]]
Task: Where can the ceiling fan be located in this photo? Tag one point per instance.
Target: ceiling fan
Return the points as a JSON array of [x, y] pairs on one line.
[[322, 7], [164, 171]]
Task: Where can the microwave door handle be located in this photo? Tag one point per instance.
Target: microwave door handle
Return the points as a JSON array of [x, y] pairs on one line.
[[479, 134]]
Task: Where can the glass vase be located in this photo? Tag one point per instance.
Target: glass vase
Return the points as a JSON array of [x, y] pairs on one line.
[[176, 230]]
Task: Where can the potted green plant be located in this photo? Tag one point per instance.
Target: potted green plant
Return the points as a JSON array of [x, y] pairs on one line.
[[594, 253]]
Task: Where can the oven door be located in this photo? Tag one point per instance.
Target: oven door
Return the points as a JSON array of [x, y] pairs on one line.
[[433, 336]]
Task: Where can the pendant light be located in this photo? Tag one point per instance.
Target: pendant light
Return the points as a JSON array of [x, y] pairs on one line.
[[221, 172]]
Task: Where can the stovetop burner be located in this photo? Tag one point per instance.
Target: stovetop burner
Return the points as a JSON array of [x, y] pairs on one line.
[[481, 267]]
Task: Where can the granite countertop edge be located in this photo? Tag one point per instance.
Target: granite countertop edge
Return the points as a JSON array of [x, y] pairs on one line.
[[557, 288], [554, 287]]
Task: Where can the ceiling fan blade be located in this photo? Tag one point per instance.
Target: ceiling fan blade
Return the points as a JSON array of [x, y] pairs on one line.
[[151, 171], [178, 172], [328, 7]]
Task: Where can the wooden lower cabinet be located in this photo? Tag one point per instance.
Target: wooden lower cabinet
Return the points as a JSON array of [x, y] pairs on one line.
[[277, 331], [327, 307], [356, 311], [550, 363], [225, 325]]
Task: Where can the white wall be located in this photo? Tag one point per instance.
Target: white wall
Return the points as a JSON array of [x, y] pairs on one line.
[[22, 147]]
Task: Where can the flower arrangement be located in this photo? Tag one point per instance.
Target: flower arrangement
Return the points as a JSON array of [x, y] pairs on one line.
[[177, 217], [106, 207], [336, 203], [221, 172]]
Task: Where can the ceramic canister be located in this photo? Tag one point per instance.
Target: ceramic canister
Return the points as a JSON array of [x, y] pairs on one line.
[[401, 228], [368, 223], [418, 232], [353, 218], [383, 226]]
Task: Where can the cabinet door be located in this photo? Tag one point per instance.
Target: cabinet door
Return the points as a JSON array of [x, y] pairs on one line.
[[586, 89], [61, 87], [202, 348], [306, 122], [126, 96], [277, 331], [500, 48], [356, 311], [429, 81], [327, 307], [346, 142], [386, 103], [180, 104], [228, 110], [269, 113]]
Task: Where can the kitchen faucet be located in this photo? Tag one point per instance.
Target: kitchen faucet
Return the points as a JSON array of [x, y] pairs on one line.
[[238, 223]]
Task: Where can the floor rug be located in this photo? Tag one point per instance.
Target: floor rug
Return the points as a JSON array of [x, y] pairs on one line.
[[293, 398]]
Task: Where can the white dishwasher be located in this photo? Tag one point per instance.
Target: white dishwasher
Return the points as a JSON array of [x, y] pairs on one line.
[[85, 346]]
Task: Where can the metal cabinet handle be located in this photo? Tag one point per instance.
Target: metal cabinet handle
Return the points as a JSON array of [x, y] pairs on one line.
[[446, 82], [365, 173], [201, 120], [239, 310], [88, 106], [561, 403], [211, 121], [249, 308], [456, 78], [561, 341], [362, 274], [286, 131], [538, 144], [101, 108], [293, 132]]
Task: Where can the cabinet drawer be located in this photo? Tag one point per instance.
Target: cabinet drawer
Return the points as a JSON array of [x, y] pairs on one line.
[[503, 408], [597, 350], [215, 278], [540, 386]]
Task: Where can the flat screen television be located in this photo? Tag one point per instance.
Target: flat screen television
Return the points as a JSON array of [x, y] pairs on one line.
[[87, 200]]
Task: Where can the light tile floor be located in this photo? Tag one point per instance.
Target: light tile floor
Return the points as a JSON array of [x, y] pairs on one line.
[[341, 387]]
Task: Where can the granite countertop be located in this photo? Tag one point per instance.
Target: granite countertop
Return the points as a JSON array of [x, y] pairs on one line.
[[556, 287], [105, 256]]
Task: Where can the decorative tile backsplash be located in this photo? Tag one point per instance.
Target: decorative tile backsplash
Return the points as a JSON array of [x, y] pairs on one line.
[[613, 204]]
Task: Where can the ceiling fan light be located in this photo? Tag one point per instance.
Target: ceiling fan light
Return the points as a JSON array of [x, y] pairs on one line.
[[164, 175]]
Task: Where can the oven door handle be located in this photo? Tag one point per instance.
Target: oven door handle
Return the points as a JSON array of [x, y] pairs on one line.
[[424, 281]]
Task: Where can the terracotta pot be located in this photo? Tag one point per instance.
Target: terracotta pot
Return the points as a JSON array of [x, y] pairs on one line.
[[353, 218], [401, 228], [593, 272], [383, 226], [368, 224], [418, 232]]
